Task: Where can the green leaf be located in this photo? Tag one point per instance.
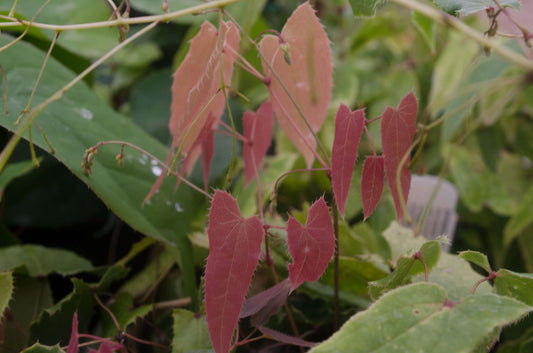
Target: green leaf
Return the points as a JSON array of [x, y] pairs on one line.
[[14, 170], [39, 348], [402, 241], [364, 7], [406, 267], [42, 261], [520, 220], [426, 27], [125, 313], [31, 296], [54, 324], [516, 285], [90, 43], [456, 276], [6, 283], [419, 318], [468, 7], [476, 258], [79, 121], [190, 332], [354, 274]]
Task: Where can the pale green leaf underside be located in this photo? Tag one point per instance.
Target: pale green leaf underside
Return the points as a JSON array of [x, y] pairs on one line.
[[42, 261], [415, 318], [468, 7]]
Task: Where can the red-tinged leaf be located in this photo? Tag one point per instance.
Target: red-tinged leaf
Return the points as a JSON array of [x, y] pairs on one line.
[[73, 342], [234, 249], [283, 338], [311, 245], [308, 77], [398, 127], [348, 129], [265, 304], [372, 183], [196, 89], [258, 130], [208, 150]]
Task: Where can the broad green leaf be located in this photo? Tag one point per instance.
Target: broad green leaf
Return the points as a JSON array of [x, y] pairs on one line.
[[364, 7], [6, 283], [91, 43], [469, 7], [477, 185], [520, 220], [456, 276], [14, 170], [156, 267], [406, 267], [39, 348], [354, 274], [419, 317], [41, 261], [79, 121], [54, 324], [476, 258], [190, 332], [516, 285], [125, 312], [426, 27], [402, 241], [31, 296]]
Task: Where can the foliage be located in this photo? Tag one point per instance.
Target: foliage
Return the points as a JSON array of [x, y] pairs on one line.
[[261, 231]]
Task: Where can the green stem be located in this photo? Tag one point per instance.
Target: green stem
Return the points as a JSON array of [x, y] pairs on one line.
[[32, 114], [123, 21], [450, 21]]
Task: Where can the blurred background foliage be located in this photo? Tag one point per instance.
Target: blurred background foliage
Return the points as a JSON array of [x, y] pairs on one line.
[[485, 145]]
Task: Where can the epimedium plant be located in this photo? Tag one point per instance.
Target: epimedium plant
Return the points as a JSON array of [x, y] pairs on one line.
[[418, 291]]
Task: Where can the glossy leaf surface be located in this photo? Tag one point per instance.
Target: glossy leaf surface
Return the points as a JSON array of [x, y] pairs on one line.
[[398, 127], [311, 245], [372, 183], [308, 77], [258, 130], [234, 248], [348, 129]]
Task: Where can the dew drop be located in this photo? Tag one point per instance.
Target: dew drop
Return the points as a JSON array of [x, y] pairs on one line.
[[86, 114], [156, 170]]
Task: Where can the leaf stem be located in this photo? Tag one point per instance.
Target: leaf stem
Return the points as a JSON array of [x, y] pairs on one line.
[[33, 113], [161, 163], [491, 276], [335, 262], [5, 92], [371, 141], [450, 21], [298, 108], [123, 21], [295, 171]]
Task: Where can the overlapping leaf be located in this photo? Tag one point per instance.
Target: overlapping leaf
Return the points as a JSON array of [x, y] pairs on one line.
[[265, 304], [196, 87], [258, 130], [468, 7], [348, 129], [372, 183], [311, 245], [308, 77], [234, 248], [398, 127]]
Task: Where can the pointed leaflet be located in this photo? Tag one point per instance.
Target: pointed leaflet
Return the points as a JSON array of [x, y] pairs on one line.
[[348, 129], [234, 248], [73, 342], [258, 130], [372, 183], [311, 245], [195, 89], [398, 127], [308, 78], [265, 304]]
